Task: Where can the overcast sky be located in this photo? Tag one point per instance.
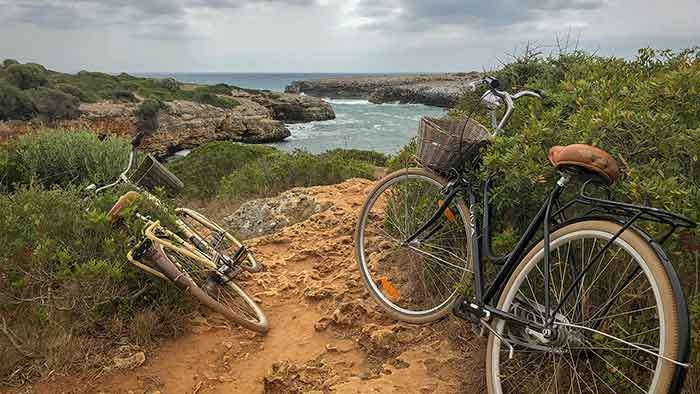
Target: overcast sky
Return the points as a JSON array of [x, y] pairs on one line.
[[326, 35]]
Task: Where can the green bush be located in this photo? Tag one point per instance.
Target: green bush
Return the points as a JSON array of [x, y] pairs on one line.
[[372, 157], [26, 76], [277, 172], [147, 115], [68, 290], [169, 84], [202, 170], [62, 158], [51, 104], [123, 96], [77, 92], [9, 62], [215, 100], [220, 88], [14, 103]]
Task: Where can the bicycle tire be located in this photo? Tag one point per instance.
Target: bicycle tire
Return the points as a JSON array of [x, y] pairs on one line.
[[159, 254], [412, 315]]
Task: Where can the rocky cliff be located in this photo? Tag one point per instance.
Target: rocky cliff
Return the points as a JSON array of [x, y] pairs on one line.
[[440, 90], [259, 117]]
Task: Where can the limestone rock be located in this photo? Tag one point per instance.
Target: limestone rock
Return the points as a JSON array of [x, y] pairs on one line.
[[268, 215]]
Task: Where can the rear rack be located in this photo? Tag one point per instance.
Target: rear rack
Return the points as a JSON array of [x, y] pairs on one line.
[[630, 212]]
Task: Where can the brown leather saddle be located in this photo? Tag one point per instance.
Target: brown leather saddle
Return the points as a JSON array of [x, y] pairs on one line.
[[586, 160]]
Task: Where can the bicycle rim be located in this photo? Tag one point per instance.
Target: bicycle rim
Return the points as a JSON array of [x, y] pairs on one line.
[[227, 298], [624, 303], [415, 282]]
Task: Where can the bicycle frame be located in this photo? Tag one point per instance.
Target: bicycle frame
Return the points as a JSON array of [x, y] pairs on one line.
[[552, 212]]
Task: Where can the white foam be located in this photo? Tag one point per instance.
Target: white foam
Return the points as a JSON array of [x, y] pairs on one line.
[[347, 101]]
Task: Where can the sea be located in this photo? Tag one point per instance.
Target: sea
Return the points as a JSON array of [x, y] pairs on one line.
[[359, 124]]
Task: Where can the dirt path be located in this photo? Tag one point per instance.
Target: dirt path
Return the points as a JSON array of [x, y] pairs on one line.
[[327, 335]]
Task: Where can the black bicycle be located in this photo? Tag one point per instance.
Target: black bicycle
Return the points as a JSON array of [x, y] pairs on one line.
[[594, 306]]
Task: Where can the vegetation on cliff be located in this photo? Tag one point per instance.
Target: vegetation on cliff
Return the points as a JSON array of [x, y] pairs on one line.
[[30, 90]]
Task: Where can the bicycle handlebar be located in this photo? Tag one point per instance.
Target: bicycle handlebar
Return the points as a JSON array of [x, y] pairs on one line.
[[502, 96], [121, 178]]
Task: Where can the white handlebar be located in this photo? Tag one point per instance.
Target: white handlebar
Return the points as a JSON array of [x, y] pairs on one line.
[[122, 177]]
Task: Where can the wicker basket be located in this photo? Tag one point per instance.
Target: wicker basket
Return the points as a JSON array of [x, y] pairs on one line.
[[438, 142], [152, 174]]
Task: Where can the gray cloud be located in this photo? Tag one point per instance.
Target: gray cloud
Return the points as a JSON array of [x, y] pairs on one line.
[[418, 15], [158, 19]]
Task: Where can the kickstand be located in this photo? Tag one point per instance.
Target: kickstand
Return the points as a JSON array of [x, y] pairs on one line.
[[511, 349]]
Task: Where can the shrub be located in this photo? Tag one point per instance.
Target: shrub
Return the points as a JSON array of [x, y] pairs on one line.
[[51, 104], [202, 170], [169, 84], [9, 62], [220, 88], [73, 292], [26, 76], [372, 157], [62, 158], [14, 103], [215, 100], [123, 96], [77, 92], [277, 172], [147, 115]]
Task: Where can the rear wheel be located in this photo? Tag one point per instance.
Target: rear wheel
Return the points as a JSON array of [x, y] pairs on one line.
[[610, 331], [227, 298], [419, 281]]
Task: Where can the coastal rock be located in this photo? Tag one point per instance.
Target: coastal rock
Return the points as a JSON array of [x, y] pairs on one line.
[[268, 215], [438, 96], [186, 125], [440, 90], [294, 108]]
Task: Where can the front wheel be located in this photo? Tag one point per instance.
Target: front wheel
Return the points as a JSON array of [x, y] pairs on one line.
[[193, 271], [619, 331], [414, 281]]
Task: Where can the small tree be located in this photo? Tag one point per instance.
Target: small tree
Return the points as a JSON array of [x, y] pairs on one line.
[[123, 96], [169, 84], [53, 104], [8, 62], [14, 103], [147, 115], [26, 76]]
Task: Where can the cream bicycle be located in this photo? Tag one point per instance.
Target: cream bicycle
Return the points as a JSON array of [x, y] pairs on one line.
[[205, 260]]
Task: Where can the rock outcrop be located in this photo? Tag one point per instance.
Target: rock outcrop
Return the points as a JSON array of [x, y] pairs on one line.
[[267, 215], [440, 90], [288, 107], [185, 124]]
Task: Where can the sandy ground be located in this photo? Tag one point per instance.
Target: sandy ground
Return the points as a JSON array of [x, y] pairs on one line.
[[327, 335]]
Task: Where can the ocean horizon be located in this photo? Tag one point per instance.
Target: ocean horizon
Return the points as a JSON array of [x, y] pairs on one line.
[[359, 124]]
